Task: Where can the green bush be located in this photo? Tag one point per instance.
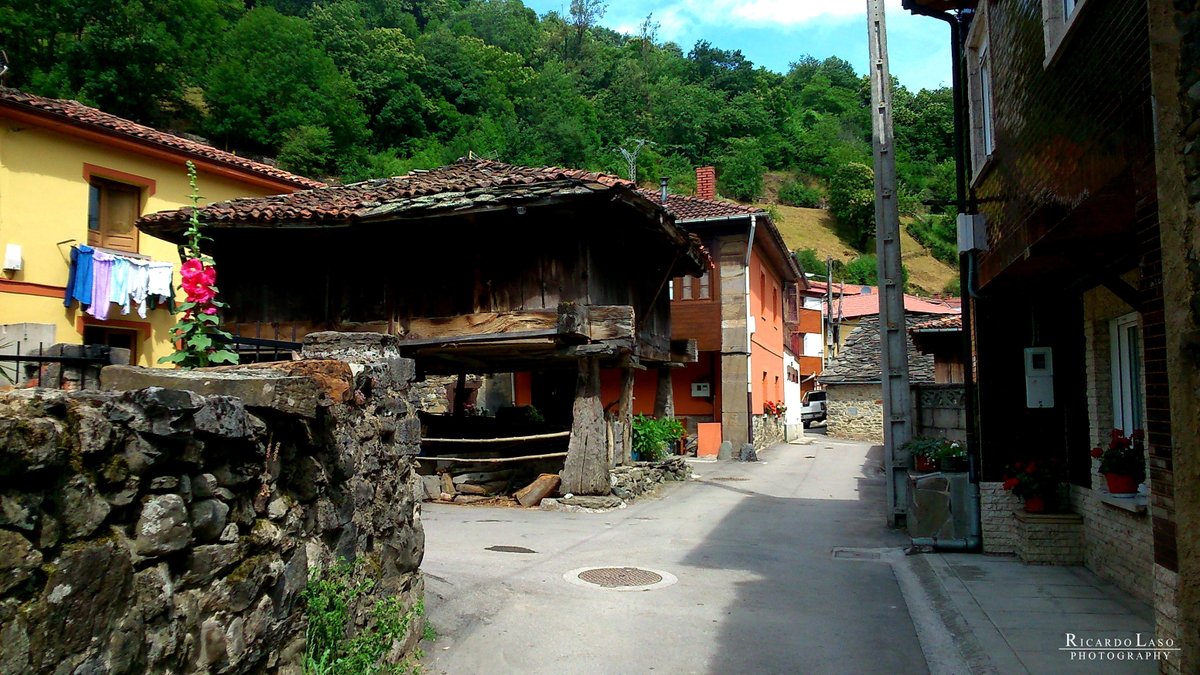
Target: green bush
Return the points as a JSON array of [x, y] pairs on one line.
[[795, 193], [865, 270], [653, 437], [741, 170], [938, 233], [852, 201], [809, 262]]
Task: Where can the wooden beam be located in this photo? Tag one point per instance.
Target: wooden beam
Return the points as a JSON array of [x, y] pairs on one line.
[[480, 323], [596, 322], [684, 351], [585, 471], [624, 429]]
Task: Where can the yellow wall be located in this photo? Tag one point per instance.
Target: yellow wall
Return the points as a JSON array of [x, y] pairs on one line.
[[44, 200]]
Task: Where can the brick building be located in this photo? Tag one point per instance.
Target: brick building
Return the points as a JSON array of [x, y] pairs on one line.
[[1083, 248]]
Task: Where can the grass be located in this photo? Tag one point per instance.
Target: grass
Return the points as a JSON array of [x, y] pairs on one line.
[[817, 229]]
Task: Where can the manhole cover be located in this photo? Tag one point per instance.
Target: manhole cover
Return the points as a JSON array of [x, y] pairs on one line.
[[621, 578], [511, 549], [614, 577]]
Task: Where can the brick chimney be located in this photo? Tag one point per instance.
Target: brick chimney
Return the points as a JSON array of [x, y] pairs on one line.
[[706, 182]]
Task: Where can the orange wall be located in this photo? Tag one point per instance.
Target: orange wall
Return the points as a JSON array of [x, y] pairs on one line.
[[766, 344], [810, 321], [645, 385]]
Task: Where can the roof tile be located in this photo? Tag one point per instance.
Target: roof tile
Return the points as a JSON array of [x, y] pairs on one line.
[[80, 115]]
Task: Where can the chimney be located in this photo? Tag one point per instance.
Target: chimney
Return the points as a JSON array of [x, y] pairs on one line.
[[662, 189], [706, 182]]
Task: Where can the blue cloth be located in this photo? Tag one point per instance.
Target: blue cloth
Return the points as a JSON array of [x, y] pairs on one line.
[[82, 288], [69, 291]]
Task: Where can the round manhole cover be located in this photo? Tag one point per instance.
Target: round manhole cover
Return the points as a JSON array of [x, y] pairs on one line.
[[621, 578], [612, 577]]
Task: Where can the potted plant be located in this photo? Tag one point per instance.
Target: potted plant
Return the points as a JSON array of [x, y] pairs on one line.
[[1123, 463], [924, 452], [775, 409], [952, 456], [1039, 483]]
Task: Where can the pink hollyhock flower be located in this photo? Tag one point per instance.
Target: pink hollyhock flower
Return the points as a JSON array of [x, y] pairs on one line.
[[210, 310]]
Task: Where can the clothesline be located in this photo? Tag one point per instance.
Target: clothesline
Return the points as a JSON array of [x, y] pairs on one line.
[[98, 279]]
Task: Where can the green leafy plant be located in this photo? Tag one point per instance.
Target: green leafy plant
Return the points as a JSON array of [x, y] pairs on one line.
[[775, 409], [1125, 455], [198, 337], [795, 193], [328, 597], [652, 437]]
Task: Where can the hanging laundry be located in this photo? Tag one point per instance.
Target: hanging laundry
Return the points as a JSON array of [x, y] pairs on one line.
[[102, 267], [118, 291], [139, 282], [79, 277], [159, 283]]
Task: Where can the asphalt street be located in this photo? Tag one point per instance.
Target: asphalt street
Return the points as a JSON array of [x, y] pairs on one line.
[[750, 548]]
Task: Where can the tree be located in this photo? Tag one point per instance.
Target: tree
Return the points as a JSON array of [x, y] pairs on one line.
[[852, 201], [863, 270], [809, 262], [584, 15], [255, 102], [741, 170]]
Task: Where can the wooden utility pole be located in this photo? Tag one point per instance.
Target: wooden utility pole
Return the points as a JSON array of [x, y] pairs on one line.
[[897, 409]]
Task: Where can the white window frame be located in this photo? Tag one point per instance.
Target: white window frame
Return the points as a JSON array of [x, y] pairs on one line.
[[1059, 17], [1128, 387], [981, 93]]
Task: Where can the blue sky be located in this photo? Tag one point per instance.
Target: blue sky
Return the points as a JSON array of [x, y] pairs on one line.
[[773, 33]]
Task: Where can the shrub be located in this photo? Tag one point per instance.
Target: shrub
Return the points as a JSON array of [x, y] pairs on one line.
[[809, 262], [795, 193], [652, 437], [852, 201], [864, 270]]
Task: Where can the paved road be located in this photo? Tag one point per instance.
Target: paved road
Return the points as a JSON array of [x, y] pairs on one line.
[[758, 589]]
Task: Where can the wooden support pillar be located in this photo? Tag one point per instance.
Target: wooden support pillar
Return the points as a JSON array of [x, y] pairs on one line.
[[585, 471], [664, 396], [460, 395], [624, 428]]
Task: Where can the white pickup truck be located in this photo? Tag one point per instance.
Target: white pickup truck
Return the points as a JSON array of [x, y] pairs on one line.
[[814, 408]]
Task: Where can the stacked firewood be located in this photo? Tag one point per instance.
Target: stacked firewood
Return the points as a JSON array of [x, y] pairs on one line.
[[496, 485]]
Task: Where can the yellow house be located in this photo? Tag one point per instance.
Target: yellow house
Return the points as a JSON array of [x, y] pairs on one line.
[[72, 175]]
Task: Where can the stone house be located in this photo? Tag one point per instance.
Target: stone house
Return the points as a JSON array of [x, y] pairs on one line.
[[1076, 124], [74, 176], [854, 386]]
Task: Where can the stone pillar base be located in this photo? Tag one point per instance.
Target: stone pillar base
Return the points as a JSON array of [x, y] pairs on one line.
[[1049, 539]]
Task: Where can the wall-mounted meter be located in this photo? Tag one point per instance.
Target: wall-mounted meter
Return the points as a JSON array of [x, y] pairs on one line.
[[1039, 377], [701, 390]]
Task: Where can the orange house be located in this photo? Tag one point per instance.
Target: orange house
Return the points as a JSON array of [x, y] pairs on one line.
[[741, 313]]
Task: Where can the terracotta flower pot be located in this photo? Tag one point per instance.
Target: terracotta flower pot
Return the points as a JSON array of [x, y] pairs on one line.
[[1035, 504], [926, 464], [1120, 484]]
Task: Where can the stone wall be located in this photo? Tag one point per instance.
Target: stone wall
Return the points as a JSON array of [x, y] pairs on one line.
[[173, 529], [1049, 539], [855, 411], [768, 431], [996, 506], [631, 481], [939, 410]]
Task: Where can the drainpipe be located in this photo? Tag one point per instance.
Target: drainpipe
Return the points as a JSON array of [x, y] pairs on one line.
[[749, 349], [662, 189], [958, 27]]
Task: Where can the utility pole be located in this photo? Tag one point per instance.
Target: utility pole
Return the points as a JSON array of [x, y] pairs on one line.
[[897, 409], [828, 353]]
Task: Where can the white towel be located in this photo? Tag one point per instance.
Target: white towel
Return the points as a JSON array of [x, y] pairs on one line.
[[139, 282], [159, 280]]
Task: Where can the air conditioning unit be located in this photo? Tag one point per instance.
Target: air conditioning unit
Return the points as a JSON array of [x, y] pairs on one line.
[[701, 390], [972, 232]]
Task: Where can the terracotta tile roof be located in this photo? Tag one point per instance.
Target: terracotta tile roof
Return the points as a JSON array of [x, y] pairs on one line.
[[80, 115], [455, 185], [867, 304], [686, 208], [948, 323]]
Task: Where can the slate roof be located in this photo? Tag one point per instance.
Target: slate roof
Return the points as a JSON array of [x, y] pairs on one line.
[[79, 115], [858, 360], [459, 184]]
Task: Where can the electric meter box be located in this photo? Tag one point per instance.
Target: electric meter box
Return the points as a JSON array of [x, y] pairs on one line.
[[1039, 377], [701, 390]]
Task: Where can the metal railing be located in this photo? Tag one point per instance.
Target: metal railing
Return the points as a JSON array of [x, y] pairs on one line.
[[260, 350], [58, 366]]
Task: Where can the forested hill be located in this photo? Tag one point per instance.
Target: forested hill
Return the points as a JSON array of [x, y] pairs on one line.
[[361, 88]]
